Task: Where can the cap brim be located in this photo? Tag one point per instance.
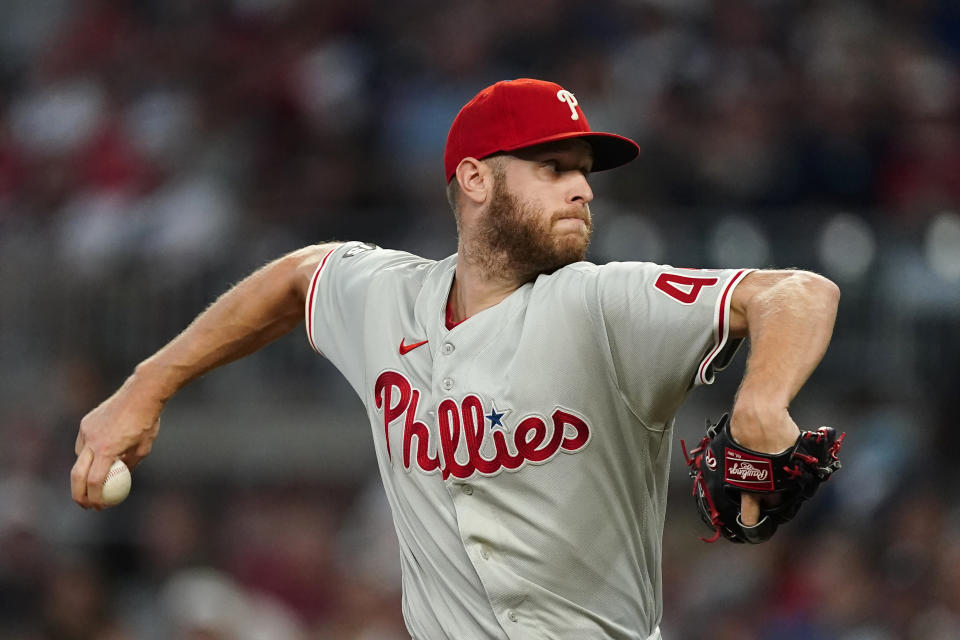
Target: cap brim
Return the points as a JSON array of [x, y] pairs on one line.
[[609, 149]]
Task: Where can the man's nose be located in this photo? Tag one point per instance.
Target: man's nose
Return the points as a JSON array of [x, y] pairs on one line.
[[580, 191]]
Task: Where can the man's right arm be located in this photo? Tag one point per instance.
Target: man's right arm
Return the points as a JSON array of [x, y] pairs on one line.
[[261, 308]]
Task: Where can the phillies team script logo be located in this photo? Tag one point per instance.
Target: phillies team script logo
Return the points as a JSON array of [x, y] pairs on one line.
[[533, 439]]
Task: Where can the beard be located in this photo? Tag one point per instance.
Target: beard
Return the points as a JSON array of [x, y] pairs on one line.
[[515, 239]]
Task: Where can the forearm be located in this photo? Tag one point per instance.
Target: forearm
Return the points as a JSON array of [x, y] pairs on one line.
[[261, 308], [790, 323], [258, 310]]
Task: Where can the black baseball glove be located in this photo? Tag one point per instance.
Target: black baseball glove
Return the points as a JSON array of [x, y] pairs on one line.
[[721, 469]]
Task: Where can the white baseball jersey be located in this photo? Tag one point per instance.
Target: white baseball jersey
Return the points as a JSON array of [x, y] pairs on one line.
[[524, 452]]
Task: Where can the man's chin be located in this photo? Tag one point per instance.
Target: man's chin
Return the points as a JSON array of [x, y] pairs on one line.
[[572, 247], [574, 252]]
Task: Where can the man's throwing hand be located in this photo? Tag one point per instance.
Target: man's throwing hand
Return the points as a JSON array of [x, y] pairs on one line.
[[123, 426]]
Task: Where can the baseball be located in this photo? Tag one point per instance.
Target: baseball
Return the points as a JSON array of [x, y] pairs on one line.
[[116, 486]]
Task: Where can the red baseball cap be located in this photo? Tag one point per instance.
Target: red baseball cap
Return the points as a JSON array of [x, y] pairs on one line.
[[513, 114]]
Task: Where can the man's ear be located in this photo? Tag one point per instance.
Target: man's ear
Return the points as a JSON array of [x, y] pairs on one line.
[[475, 180]]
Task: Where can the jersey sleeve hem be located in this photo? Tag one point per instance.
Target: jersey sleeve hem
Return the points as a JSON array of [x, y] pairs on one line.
[[310, 302], [721, 332]]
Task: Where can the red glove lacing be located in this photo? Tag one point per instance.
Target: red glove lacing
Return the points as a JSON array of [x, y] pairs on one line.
[[693, 459]]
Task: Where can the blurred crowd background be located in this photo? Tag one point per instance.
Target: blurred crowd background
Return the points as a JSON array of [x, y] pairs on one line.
[[152, 152]]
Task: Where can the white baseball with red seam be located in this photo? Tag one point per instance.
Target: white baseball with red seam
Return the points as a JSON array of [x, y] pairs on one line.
[[116, 486]]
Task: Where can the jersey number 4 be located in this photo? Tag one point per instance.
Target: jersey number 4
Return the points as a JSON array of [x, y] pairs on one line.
[[684, 289]]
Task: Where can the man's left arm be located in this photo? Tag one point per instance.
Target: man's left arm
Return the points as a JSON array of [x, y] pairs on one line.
[[789, 318]]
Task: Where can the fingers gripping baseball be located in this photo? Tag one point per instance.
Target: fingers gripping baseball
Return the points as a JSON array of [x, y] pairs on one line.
[[124, 426]]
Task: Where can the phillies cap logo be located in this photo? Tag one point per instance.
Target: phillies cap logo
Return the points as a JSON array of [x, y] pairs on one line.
[[565, 96]]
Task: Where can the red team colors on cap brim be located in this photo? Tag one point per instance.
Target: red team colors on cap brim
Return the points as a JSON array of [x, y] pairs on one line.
[[514, 114]]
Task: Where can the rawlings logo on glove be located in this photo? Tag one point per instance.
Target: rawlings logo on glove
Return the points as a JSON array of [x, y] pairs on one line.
[[745, 471], [721, 469]]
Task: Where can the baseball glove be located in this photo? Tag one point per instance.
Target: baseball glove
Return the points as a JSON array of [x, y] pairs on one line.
[[721, 469]]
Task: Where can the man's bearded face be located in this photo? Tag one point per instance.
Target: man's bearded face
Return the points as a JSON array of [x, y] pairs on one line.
[[523, 239]]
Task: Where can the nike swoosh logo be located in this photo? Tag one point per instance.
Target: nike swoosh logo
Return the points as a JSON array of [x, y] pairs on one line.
[[407, 348]]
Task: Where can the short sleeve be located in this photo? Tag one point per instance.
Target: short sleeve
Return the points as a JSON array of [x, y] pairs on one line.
[[336, 304], [667, 330]]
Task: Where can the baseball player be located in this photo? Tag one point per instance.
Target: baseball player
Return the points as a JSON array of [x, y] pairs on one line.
[[522, 400]]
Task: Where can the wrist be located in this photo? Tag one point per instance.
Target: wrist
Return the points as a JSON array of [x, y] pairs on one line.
[[763, 426], [756, 405], [762, 412], [152, 380]]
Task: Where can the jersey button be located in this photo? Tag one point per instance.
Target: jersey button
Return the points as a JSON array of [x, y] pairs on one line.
[[447, 348], [484, 553], [467, 489], [447, 383], [512, 615]]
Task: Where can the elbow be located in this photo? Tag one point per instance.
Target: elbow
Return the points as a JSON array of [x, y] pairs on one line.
[[802, 293], [827, 287], [820, 288]]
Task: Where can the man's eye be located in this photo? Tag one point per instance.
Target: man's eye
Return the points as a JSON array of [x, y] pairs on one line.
[[552, 165]]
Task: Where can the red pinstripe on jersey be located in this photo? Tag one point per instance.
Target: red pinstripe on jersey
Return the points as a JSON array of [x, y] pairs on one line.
[[310, 294], [723, 325]]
